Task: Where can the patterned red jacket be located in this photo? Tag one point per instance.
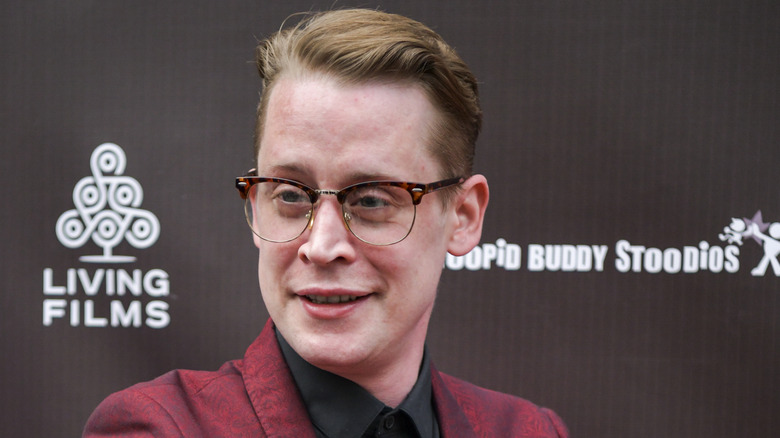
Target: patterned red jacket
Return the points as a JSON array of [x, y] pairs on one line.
[[257, 397]]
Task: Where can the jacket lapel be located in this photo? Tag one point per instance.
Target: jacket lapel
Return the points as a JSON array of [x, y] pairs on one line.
[[272, 390], [453, 422]]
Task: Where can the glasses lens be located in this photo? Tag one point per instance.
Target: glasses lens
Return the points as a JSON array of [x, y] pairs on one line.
[[379, 214], [277, 212]]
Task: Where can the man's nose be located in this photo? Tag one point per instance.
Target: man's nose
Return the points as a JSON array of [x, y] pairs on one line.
[[327, 236]]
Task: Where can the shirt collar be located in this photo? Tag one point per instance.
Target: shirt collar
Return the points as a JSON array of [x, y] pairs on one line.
[[339, 407]]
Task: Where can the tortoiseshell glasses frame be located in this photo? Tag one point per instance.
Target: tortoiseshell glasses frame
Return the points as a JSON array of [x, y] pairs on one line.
[[375, 212]]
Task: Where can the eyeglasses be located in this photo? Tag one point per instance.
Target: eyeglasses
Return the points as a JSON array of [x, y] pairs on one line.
[[376, 212]]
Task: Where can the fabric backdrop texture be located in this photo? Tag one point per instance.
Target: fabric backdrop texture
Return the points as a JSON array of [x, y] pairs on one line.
[[628, 274]]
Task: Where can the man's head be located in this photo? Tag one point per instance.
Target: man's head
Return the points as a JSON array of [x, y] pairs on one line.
[[358, 46], [348, 292]]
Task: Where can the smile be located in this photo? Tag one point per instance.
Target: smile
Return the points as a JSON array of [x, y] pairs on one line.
[[333, 299]]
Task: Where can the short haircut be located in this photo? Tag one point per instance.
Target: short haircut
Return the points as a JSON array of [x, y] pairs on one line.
[[358, 46]]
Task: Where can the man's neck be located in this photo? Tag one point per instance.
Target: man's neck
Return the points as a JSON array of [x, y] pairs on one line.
[[389, 381], [339, 406], [390, 385]]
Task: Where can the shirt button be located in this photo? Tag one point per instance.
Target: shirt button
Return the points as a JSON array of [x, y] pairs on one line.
[[389, 422]]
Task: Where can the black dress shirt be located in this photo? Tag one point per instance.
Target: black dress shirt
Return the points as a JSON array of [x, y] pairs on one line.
[[340, 408]]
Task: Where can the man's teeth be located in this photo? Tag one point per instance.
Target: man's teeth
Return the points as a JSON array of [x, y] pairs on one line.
[[333, 299]]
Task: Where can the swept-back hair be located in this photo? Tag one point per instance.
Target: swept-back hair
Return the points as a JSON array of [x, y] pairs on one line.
[[356, 46]]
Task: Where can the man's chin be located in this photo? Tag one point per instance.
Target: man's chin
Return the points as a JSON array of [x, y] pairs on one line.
[[334, 355]]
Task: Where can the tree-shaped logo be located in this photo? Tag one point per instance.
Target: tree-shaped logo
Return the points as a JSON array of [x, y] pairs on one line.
[[107, 209]]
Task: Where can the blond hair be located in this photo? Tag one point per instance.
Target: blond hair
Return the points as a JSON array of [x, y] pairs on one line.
[[360, 45]]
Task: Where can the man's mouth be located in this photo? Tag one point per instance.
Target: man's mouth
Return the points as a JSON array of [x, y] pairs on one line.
[[333, 299]]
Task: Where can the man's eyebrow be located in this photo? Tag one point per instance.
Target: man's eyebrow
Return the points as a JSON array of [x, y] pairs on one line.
[[286, 168], [369, 176], [301, 171]]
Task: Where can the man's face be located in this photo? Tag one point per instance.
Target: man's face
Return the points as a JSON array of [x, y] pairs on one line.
[[328, 136]]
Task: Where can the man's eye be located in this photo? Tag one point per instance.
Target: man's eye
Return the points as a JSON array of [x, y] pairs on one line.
[[371, 202], [291, 196], [378, 198]]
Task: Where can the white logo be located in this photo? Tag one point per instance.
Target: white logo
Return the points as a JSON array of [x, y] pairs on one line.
[[107, 209], [755, 228]]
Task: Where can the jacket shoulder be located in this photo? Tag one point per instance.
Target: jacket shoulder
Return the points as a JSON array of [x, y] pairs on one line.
[[491, 412], [178, 403]]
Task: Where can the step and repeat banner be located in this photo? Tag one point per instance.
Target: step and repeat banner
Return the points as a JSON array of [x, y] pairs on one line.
[[628, 276]]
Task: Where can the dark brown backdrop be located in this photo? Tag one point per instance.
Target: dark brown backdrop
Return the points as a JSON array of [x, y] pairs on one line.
[[615, 124]]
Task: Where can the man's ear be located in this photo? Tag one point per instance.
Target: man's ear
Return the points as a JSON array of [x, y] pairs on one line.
[[469, 212]]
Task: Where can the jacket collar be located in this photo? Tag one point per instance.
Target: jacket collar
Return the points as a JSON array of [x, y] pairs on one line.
[[452, 420], [281, 410], [272, 390]]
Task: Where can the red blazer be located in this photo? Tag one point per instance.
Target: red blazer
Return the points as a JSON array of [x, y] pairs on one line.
[[257, 397]]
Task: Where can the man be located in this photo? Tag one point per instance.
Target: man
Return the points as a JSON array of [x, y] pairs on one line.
[[365, 137]]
